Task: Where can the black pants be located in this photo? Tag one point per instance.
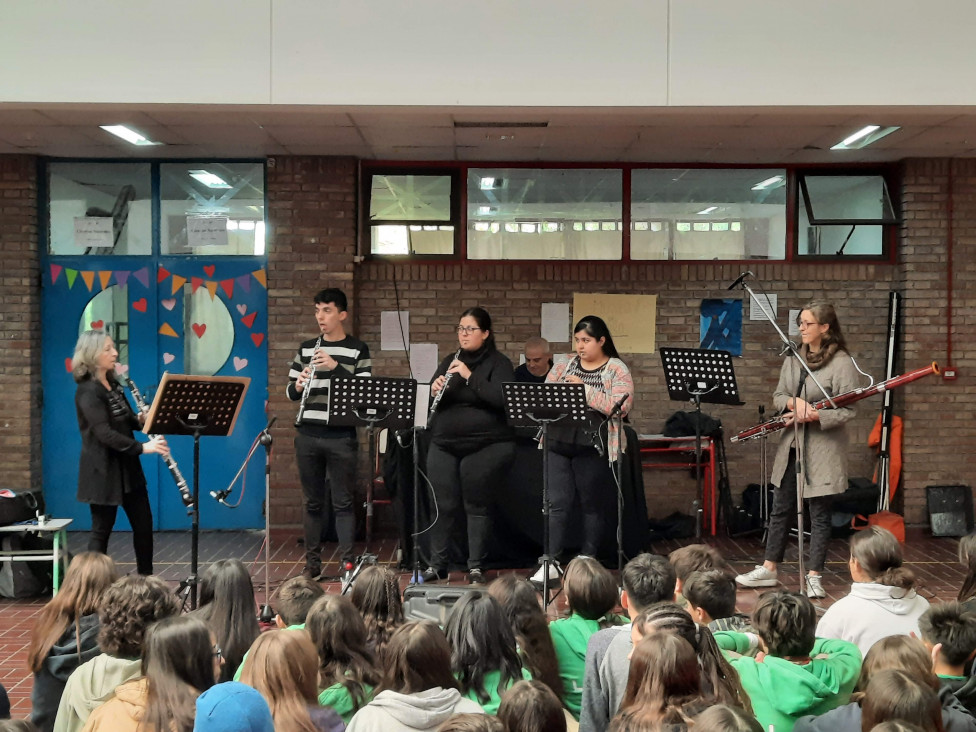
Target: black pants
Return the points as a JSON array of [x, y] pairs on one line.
[[783, 513], [465, 480], [327, 468], [138, 511], [578, 470]]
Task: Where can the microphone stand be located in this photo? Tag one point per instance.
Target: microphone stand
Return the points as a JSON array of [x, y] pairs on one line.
[[617, 412], [798, 433]]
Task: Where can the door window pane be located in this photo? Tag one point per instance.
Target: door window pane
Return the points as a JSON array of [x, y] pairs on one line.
[[109, 311], [212, 209], [688, 214], [115, 197], [208, 332], [529, 213]]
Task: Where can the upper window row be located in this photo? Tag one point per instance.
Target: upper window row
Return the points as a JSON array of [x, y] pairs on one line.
[[670, 214], [205, 208]]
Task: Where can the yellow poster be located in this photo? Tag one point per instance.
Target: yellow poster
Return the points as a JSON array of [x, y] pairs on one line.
[[632, 319]]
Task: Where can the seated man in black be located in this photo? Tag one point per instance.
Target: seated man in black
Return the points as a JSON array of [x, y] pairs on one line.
[[538, 361]]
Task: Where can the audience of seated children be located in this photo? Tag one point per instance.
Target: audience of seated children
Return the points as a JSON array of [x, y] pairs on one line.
[[531, 706], [894, 653], [591, 596], [127, 609], [295, 598], [726, 718], [949, 633], [468, 722], [520, 602], [348, 669], [232, 707], [895, 696], [484, 657], [647, 579], [882, 601], [418, 690], [694, 558], [664, 686], [228, 608], [719, 679], [967, 556], [180, 660], [65, 634], [376, 594], [795, 673], [284, 667], [711, 596]]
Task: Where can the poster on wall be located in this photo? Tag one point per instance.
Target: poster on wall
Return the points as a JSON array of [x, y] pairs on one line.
[[721, 326], [632, 319], [94, 231]]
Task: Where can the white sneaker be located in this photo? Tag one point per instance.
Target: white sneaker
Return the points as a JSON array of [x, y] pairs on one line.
[[537, 578], [814, 587], [759, 577]]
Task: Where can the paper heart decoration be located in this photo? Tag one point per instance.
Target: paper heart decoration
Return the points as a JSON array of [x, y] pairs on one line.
[[248, 320], [67, 365], [122, 368], [258, 338], [97, 324], [168, 358], [140, 305], [209, 269], [242, 308], [199, 329], [239, 363], [169, 303]]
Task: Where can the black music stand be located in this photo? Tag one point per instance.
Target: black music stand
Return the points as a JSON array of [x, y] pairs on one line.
[[376, 403], [196, 405], [698, 375], [534, 405]]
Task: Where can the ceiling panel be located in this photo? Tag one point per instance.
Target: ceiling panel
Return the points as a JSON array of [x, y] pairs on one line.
[[321, 135], [391, 136]]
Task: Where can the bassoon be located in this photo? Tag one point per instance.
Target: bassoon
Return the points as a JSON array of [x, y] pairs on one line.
[[842, 400]]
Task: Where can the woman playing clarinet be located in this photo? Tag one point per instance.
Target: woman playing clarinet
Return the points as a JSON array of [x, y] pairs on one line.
[[472, 445], [109, 473], [580, 457], [823, 448]]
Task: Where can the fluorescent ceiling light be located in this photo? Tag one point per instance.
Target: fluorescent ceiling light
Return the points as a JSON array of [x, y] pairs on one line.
[[863, 137], [708, 210], [129, 135], [209, 179], [485, 210], [487, 184], [769, 182]]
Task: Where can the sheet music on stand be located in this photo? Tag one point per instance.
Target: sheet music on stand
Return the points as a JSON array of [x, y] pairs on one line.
[[706, 373], [190, 405], [356, 401]]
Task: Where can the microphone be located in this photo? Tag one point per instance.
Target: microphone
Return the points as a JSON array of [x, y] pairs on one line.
[[618, 406], [221, 496], [740, 279]]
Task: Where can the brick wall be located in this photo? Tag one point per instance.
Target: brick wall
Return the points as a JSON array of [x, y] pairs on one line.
[[20, 324], [312, 219], [312, 214]]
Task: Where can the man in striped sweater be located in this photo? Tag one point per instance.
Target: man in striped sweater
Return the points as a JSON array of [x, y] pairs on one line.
[[326, 456]]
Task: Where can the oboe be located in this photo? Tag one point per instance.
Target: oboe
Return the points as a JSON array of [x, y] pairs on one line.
[[308, 383], [440, 394], [174, 469]]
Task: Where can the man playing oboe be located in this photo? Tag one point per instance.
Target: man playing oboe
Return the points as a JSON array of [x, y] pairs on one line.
[[326, 456]]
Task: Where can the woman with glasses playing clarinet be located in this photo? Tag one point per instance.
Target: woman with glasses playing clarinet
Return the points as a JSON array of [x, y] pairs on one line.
[[580, 456], [472, 445]]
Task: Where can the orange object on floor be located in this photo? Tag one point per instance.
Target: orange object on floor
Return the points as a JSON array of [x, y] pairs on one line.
[[894, 452]]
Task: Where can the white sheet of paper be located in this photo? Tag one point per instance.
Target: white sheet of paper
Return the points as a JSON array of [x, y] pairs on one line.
[[422, 405], [794, 328], [756, 313], [555, 322], [94, 231], [206, 231], [423, 361], [391, 337]]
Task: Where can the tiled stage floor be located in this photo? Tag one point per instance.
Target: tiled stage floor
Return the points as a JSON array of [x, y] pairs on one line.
[[933, 560]]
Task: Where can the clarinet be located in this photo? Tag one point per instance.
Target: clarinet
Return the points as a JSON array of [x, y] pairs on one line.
[[308, 384], [174, 469], [440, 394]]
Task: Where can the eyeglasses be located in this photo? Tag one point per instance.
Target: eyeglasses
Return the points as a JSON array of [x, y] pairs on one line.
[[467, 329], [217, 653], [806, 324]]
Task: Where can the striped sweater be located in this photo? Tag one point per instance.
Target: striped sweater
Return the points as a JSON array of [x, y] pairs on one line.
[[352, 356]]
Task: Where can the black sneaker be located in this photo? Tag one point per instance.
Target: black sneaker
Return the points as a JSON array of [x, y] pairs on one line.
[[476, 576], [433, 575], [312, 573]]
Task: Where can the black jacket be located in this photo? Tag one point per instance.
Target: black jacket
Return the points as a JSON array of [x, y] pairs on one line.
[[64, 657], [109, 465]]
